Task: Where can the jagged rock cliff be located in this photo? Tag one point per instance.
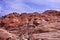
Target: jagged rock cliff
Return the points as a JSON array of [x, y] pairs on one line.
[[30, 26]]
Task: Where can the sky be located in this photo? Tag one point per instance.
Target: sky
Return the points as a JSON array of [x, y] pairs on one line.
[[9, 6]]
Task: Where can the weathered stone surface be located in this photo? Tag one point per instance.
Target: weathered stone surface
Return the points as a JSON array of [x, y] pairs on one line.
[[31, 26], [5, 35], [46, 36]]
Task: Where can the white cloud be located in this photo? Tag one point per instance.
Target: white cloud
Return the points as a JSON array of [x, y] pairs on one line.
[[45, 1], [0, 9], [20, 6], [55, 1], [54, 4]]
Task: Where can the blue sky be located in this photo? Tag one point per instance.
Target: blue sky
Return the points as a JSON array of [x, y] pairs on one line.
[[8, 6]]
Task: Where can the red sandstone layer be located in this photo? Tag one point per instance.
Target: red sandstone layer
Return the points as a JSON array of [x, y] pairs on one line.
[[30, 26]]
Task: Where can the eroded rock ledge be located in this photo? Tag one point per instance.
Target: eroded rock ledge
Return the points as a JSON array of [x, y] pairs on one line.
[[30, 26]]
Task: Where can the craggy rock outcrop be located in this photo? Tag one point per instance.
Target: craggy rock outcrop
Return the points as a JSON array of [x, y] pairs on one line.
[[30, 26]]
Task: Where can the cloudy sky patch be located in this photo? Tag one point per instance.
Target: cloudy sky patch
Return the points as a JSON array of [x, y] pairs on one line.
[[7, 6]]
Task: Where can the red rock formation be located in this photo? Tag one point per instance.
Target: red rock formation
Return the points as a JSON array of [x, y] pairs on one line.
[[28, 25]]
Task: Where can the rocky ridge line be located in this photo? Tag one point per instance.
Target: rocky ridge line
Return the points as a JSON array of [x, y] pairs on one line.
[[30, 26]]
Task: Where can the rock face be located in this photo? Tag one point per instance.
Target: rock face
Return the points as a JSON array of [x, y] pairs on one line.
[[30, 26]]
